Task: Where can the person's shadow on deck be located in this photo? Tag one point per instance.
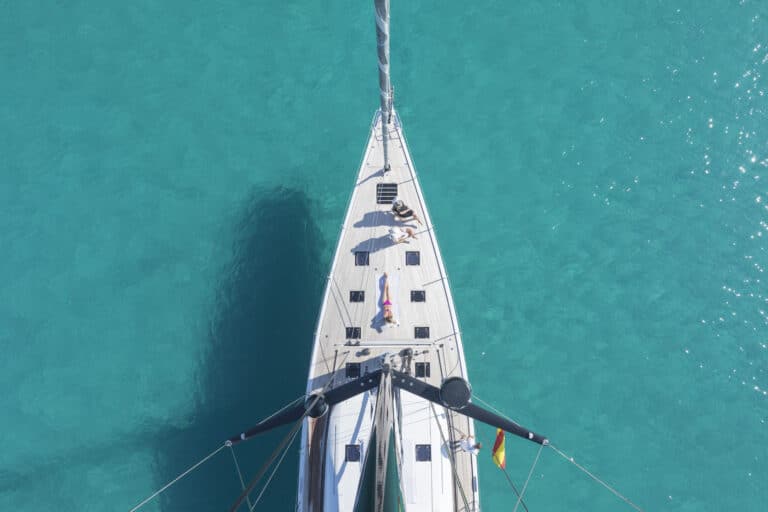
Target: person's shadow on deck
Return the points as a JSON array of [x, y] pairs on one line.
[[379, 218], [374, 244], [377, 322]]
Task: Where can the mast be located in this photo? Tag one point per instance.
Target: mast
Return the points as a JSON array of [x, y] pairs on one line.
[[385, 86]]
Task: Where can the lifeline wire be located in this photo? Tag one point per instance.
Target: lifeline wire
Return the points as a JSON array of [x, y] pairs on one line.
[[596, 479], [205, 459], [239, 473], [451, 455], [274, 470], [525, 486], [572, 461], [287, 441]]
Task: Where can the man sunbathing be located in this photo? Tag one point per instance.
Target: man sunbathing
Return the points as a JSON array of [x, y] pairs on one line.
[[402, 212]]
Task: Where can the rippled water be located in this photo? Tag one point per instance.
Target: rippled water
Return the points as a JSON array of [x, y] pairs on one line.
[[173, 177]]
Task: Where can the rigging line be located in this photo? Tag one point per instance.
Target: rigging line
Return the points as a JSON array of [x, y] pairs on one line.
[[239, 474], [451, 456], [286, 440], [255, 480], [571, 460], [525, 485], [274, 470], [514, 488], [285, 407], [166, 486], [474, 395], [596, 479]]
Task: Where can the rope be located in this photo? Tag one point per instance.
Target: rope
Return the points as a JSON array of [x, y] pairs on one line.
[[451, 456], [188, 471], [237, 466], [535, 461], [571, 460], [272, 458], [514, 488], [274, 470], [596, 479], [474, 396], [282, 447]]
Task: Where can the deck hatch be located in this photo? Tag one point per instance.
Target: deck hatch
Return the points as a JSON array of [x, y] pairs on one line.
[[423, 453], [361, 258], [352, 453], [412, 258], [386, 193], [422, 370], [353, 370], [353, 333], [418, 296], [356, 296], [419, 332]]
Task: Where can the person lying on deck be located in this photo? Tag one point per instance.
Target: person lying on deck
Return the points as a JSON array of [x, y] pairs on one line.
[[402, 212], [386, 303], [399, 236]]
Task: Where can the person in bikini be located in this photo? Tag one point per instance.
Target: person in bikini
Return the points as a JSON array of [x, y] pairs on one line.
[[389, 316], [402, 212]]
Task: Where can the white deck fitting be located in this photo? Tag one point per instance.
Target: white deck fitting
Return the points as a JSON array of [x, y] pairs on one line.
[[426, 486]]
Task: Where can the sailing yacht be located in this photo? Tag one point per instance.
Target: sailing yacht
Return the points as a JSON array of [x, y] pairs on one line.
[[388, 401], [387, 421]]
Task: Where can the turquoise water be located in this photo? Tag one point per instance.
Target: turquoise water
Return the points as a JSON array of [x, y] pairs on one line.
[[173, 176]]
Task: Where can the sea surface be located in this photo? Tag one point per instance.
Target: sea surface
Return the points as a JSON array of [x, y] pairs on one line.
[[173, 176]]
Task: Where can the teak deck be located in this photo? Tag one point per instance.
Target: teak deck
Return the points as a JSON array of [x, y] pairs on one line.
[[352, 332]]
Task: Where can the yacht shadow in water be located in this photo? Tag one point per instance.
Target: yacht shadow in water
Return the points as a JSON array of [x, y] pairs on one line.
[[259, 347]]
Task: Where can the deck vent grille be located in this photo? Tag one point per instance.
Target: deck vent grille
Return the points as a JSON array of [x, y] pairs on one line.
[[423, 453], [362, 258], [353, 370], [353, 333], [422, 370], [352, 453], [386, 193], [418, 296], [412, 258], [419, 332], [356, 296]]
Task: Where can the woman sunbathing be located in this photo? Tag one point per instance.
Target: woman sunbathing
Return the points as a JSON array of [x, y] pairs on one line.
[[389, 316]]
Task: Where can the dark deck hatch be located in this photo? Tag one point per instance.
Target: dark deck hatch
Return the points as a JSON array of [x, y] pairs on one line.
[[412, 258], [352, 453], [419, 332], [361, 258], [386, 193], [418, 296], [353, 370], [422, 370], [423, 452], [353, 333], [356, 296]]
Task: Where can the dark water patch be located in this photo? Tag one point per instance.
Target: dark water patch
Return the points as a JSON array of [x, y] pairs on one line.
[[259, 349]]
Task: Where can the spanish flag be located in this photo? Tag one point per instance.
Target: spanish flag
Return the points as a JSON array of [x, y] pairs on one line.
[[498, 450]]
